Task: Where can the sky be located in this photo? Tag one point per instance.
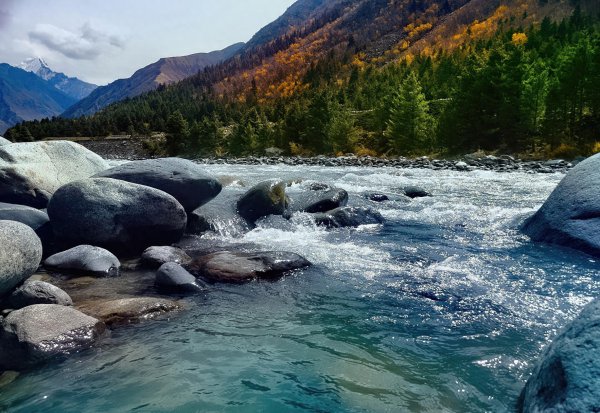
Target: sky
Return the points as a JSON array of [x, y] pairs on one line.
[[100, 41]]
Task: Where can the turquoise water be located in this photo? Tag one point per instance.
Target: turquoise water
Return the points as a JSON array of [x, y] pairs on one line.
[[443, 308]]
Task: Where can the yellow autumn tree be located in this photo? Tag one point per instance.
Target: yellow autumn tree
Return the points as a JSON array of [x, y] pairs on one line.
[[519, 39]]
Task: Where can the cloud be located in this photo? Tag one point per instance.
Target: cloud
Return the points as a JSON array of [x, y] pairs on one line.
[[5, 14], [87, 44]]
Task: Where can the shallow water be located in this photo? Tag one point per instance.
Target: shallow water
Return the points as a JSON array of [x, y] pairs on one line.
[[443, 308]]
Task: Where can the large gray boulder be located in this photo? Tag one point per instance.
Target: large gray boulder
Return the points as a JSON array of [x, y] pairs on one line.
[[184, 180], [266, 198], [240, 267], [4, 141], [39, 332], [34, 218], [20, 254], [567, 377], [84, 260], [122, 217], [219, 215], [31, 172], [37, 292], [571, 215]]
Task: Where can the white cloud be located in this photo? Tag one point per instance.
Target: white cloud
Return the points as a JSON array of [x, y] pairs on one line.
[[87, 44]]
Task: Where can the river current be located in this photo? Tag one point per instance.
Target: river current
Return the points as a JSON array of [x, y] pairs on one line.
[[444, 308]]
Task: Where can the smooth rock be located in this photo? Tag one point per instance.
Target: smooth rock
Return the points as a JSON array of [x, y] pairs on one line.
[[571, 215], [31, 172], [128, 310], [154, 257], [567, 376], [266, 198], [219, 215], [185, 180], [172, 277], [4, 141], [240, 267], [85, 260], [38, 332], [117, 215], [318, 200], [37, 292], [348, 217], [415, 192], [376, 197], [20, 254], [34, 218]]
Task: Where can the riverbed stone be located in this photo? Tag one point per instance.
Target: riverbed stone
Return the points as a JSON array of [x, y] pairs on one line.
[[266, 198], [154, 257], [172, 277], [185, 180], [38, 332], [122, 217], [571, 215], [376, 197], [84, 260], [567, 376], [37, 292], [34, 218], [128, 310], [348, 217], [313, 201], [415, 192], [31, 172], [20, 254], [4, 141], [219, 215], [240, 267]]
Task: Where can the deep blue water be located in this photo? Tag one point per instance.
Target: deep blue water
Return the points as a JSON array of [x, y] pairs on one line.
[[443, 308]]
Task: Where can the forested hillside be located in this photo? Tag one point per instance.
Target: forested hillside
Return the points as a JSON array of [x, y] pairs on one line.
[[385, 77]]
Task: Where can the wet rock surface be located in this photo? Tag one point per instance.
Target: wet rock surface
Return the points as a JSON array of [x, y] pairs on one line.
[[172, 277], [265, 198], [128, 310], [348, 217], [85, 260]]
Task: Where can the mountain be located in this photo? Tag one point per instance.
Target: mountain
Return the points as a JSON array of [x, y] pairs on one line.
[[26, 96], [71, 86], [163, 72]]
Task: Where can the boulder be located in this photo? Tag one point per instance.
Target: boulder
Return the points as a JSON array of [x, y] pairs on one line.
[[34, 218], [31, 172], [415, 192], [348, 217], [376, 197], [571, 215], [37, 292], [38, 332], [266, 198], [172, 277], [318, 200], [567, 376], [219, 215], [240, 267], [184, 180], [4, 141], [84, 260], [20, 254], [154, 257], [122, 217], [128, 310]]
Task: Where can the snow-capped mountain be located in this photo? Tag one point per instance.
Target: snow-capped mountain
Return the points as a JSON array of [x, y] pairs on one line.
[[71, 86]]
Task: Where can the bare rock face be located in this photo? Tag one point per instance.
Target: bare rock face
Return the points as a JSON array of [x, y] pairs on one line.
[[20, 254], [128, 310], [39, 332], [31, 172], [119, 216]]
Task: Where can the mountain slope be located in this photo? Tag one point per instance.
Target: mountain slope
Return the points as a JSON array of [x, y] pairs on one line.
[[25, 96], [165, 71], [71, 86]]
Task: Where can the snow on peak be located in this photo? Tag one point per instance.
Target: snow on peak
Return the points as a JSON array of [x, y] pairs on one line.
[[34, 64]]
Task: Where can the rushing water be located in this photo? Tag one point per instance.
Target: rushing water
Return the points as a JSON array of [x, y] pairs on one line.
[[443, 308]]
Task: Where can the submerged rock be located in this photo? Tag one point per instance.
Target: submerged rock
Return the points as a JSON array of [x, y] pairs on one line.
[[38, 332], [31, 172], [266, 198], [34, 218], [348, 217], [239, 267], [567, 377], [117, 215], [172, 277], [128, 310], [185, 180], [571, 215], [415, 192], [154, 257], [20, 254], [37, 292], [85, 260], [318, 200]]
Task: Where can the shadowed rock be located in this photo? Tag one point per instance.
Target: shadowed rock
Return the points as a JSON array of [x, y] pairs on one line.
[[172, 277], [20, 254], [348, 217], [318, 200], [34, 218], [84, 260], [266, 198], [219, 215], [415, 192], [37, 292], [128, 310]]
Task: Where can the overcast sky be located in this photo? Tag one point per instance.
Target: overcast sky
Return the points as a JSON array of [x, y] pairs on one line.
[[103, 40]]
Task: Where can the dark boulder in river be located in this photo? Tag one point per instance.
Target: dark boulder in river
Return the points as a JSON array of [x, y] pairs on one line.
[[20, 254], [313, 201], [31, 172], [240, 267], [37, 292], [219, 215], [39, 332], [122, 217], [348, 217], [571, 215], [184, 180], [415, 192], [266, 198], [85, 260], [172, 277], [567, 377]]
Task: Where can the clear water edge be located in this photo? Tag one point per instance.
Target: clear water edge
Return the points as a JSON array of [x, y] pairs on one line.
[[443, 308]]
